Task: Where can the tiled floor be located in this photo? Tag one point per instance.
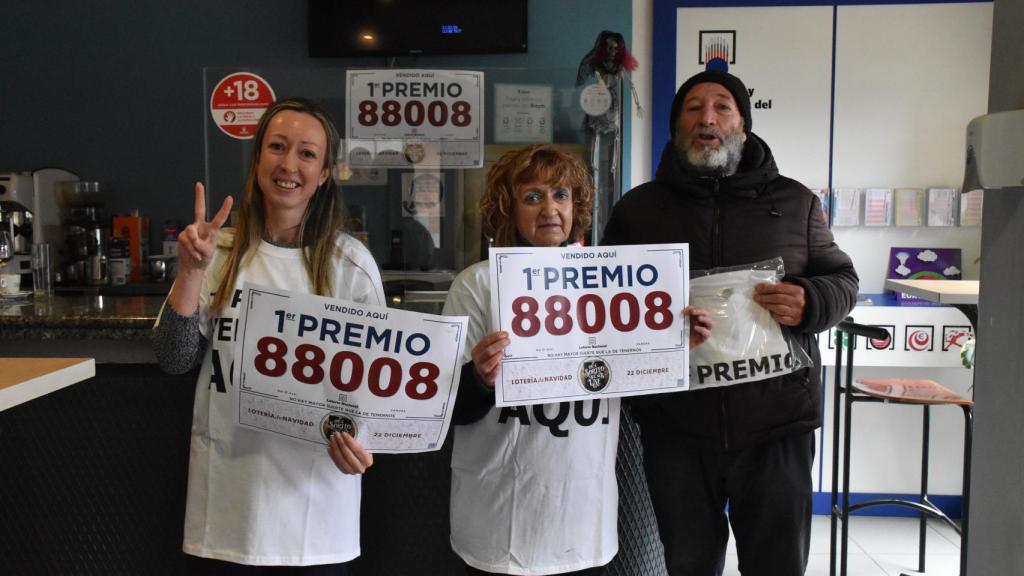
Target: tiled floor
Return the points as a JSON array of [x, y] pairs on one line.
[[879, 546]]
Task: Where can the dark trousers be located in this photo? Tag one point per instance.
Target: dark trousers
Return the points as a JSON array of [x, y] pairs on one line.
[[208, 567], [768, 492], [598, 571]]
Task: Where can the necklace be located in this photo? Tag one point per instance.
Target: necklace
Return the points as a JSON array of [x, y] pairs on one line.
[[280, 244]]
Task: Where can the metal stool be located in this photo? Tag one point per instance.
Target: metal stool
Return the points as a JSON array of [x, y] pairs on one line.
[[924, 393]]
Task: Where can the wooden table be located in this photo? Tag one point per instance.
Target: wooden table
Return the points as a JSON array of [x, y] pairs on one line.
[[24, 379], [963, 294]]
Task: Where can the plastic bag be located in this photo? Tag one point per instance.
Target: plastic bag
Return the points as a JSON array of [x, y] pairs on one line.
[[746, 344]]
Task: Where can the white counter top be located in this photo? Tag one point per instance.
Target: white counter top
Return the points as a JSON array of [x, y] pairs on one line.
[[24, 379], [941, 291]]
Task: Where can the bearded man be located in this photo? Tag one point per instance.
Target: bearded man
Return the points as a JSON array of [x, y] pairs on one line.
[[747, 446]]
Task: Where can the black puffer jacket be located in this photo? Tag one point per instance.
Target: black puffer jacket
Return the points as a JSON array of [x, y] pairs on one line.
[[753, 215]]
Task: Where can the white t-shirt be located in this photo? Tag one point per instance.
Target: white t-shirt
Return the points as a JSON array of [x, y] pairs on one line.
[[533, 487], [258, 498]]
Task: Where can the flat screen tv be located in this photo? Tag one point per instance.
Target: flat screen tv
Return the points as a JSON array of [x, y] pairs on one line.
[[401, 27]]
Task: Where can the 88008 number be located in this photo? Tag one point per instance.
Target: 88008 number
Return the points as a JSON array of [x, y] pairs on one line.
[[623, 312], [414, 113], [345, 370]]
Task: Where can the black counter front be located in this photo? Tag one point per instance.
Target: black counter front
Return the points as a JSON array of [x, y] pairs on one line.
[[93, 475]]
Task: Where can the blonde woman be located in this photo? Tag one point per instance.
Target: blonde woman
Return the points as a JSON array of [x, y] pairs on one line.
[[258, 503]]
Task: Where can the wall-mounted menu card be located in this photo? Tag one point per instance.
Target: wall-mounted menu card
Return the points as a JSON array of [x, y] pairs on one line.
[[908, 206], [877, 206], [942, 207], [970, 207], [846, 207]]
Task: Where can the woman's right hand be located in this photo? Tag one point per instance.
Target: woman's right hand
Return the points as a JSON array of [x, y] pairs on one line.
[[198, 240], [348, 454], [487, 356]]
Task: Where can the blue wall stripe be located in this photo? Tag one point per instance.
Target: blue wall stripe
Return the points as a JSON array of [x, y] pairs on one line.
[[826, 440], [663, 77], [832, 101]]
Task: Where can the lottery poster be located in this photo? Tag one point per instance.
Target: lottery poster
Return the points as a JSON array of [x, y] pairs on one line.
[[586, 322], [309, 366]]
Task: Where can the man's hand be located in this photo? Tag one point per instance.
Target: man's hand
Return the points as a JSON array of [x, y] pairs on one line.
[[700, 325], [783, 300]]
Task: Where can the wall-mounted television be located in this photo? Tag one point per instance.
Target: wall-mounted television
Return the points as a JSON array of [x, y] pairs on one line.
[[401, 27]]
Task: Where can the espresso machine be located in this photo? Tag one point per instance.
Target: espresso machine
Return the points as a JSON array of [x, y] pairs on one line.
[[16, 219], [31, 208]]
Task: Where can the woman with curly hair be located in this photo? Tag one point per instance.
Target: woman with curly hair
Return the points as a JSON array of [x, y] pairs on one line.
[[533, 487]]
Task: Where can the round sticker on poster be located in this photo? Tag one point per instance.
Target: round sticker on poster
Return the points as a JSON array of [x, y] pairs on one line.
[[238, 102], [595, 99], [595, 374], [336, 422]]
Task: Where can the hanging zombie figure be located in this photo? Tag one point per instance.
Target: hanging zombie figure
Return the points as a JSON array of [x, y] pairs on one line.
[[608, 61]]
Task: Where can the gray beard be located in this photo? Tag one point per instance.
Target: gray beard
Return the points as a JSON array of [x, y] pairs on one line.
[[719, 162]]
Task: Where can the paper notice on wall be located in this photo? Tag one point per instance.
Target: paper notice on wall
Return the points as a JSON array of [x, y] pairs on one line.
[[908, 206], [971, 207], [522, 113], [846, 207], [877, 206], [941, 206]]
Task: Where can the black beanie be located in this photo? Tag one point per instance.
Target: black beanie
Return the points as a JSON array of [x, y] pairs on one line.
[[733, 84]]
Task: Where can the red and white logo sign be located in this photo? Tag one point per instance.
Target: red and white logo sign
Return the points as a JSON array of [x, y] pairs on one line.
[[238, 102], [919, 339], [885, 343], [955, 336]]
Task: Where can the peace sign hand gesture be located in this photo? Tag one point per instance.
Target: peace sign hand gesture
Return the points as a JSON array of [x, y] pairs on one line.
[[198, 240]]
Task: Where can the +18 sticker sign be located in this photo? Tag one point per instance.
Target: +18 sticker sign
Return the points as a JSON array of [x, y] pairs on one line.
[[401, 117], [590, 321], [238, 102]]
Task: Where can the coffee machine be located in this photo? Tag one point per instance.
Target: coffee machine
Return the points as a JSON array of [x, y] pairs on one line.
[[31, 205], [16, 197], [16, 219]]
